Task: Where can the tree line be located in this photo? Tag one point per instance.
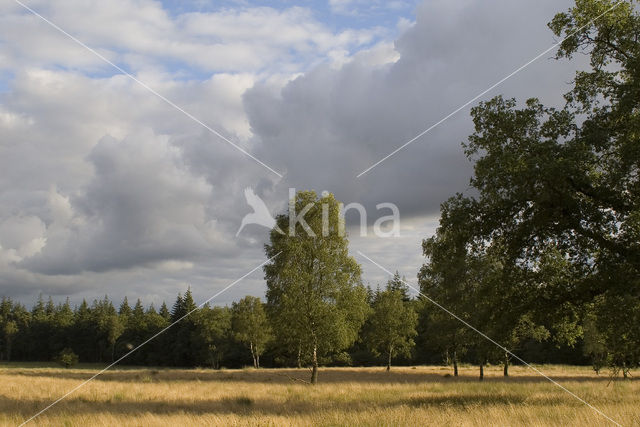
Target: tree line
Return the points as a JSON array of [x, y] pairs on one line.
[[241, 335]]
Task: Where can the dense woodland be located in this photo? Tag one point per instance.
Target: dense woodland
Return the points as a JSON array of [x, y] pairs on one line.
[[543, 255], [217, 337]]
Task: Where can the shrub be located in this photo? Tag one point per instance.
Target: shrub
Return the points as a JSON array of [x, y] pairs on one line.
[[342, 359], [67, 358]]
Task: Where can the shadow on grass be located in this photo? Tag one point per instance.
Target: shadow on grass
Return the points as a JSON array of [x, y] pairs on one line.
[[282, 376], [244, 405]]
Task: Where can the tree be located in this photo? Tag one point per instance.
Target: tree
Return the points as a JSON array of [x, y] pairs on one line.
[[83, 333], [10, 329], [156, 350], [125, 313], [40, 331], [594, 344], [397, 284], [615, 322], [470, 277], [181, 335], [164, 311], [67, 358], [315, 298], [210, 335], [11, 322], [108, 325], [608, 189], [392, 324], [135, 332], [445, 280], [63, 322], [564, 183], [250, 326]]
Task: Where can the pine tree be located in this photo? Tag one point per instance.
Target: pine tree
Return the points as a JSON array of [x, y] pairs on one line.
[[125, 310], [396, 284], [164, 311]]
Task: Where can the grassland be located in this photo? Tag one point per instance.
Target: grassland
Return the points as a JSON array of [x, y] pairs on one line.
[[344, 396]]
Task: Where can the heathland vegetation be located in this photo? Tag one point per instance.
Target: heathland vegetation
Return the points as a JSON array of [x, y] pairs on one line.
[[344, 396]]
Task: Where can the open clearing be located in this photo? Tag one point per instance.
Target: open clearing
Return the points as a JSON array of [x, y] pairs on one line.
[[353, 396]]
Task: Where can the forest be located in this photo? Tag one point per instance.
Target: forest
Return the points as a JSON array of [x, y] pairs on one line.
[[216, 337]]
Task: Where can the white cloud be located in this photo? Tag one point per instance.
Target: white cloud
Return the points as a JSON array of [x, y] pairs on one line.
[[22, 237], [141, 35]]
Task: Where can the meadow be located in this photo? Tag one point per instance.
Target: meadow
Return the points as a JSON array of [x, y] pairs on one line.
[[344, 396]]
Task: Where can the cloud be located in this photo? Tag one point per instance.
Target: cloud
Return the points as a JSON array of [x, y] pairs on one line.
[[21, 237], [106, 189], [328, 125], [116, 189], [142, 35], [367, 7], [142, 206]]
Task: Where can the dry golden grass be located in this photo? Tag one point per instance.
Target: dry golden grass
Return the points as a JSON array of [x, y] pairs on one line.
[[344, 396]]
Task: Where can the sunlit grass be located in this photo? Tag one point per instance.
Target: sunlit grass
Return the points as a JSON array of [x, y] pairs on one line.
[[344, 396]]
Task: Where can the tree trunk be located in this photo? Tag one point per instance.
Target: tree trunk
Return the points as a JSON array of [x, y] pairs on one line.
[[482, 370], [314, 372], [389, 358], [505, 371], [299, 355], [455, 363], [253, 355], [257, 361]]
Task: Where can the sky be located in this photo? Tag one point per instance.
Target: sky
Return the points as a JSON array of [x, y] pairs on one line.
[[107, 188]]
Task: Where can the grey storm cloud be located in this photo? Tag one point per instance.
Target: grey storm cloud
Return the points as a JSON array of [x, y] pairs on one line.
[[140, 207], [330, 124]]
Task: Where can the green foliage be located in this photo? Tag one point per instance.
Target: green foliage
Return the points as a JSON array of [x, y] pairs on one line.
[[398, 284], [67, 358], [391, 326], [251, 326], [554, 226], [616, 326], [314, 294], [210, 335], [108, 324], [594, 344], [341, 359]]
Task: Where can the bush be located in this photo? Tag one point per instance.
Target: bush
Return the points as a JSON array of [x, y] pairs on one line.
[[67, 358], [342, 359]]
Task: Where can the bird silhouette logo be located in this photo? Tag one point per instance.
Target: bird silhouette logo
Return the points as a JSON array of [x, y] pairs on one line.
[[260, 215]]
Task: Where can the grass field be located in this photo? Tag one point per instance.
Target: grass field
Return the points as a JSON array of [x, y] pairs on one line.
[[344, 396]]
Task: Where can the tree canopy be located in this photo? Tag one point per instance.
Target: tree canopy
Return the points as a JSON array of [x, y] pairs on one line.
[[314, 293], [556, 201]]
